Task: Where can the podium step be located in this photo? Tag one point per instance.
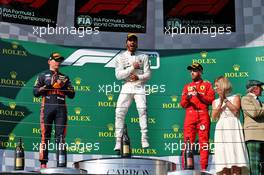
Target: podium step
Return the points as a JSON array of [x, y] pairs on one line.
[[189, 172], [59, 171], [117, 166]]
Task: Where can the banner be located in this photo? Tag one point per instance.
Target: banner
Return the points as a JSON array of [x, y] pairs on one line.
[[112, 16], [34, 12], [198, 17], [91, 115]]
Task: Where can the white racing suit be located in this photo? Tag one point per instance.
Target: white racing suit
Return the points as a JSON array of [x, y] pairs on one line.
[[132, 90]]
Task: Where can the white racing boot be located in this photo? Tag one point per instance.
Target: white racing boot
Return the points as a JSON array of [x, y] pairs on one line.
[[144, 141], [118, 144]]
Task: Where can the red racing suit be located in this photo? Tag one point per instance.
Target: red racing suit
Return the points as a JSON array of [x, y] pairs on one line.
[[197, 119]]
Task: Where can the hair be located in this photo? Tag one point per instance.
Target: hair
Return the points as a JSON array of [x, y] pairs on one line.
[[224, 84], [251, 89]]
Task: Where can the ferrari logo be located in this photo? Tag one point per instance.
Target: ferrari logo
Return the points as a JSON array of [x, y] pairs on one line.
[[202, 127]]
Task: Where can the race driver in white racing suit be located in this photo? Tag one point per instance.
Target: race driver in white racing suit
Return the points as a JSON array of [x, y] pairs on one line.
[[133, 68]]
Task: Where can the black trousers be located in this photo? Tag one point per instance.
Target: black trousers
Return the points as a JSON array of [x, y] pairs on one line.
[[51, 113]]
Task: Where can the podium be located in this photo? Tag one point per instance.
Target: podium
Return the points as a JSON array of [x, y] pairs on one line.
[[53, 170], [189, 172], [125, 166], [63, 170]]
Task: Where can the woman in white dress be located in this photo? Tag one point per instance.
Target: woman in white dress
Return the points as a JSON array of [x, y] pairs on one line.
[[230, 149]]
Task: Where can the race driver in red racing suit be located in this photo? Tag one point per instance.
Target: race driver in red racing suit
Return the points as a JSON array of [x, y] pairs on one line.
[[196, 97], [53, 86]]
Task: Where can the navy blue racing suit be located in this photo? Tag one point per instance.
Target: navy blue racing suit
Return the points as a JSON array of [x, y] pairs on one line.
[[53, 107]]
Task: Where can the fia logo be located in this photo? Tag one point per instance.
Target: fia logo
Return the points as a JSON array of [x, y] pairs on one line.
[[84, 20], [174, 22]]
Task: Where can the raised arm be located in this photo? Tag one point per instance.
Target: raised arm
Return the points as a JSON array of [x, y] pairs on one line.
[[40, 86], [216, 109], [185, 100], [250, 108], [235, 106], [208, 97]]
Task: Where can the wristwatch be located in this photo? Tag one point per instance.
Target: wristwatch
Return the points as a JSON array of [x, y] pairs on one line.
[[225, 100]]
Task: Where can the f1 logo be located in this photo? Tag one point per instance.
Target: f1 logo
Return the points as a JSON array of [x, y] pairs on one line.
[[31, 3], [124, 7], [107, 57], [185, 7]]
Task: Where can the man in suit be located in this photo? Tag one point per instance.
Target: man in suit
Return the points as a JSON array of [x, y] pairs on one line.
[[253, 110]]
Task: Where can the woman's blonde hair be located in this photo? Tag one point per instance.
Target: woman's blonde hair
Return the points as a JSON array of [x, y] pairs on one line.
[[224, 84]]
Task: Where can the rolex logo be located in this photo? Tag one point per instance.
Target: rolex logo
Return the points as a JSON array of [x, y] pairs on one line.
[[110, 97], [12, 105], [204, 59], [11, 137], [78, 141], [13, 74], [110, 127], [174, 98], [77, 110], [203, 54], [236, 67], [78, 80], [175, 128], [15, 45]]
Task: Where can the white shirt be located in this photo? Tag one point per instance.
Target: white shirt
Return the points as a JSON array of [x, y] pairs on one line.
[[124, 68]]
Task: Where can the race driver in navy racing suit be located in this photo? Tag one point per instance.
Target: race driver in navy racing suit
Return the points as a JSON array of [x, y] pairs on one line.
[[53, 86]]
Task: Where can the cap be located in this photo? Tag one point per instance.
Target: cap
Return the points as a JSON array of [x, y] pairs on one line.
[[195, 66], [56, 57], [132, 36], [251, 83]]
